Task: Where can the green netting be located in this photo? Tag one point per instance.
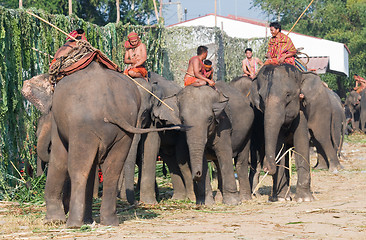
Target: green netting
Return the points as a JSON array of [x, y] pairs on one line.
[[168, 53]]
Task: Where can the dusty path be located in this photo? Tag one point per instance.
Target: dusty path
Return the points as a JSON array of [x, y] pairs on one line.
[[338, 213]]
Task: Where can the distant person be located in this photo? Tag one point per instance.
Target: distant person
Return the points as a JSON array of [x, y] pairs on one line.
[[280, 47], [194, 75], [251, 64], [135, 56], [207, 69], [360, 83]]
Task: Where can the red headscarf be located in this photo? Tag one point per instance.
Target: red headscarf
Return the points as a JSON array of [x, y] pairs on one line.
[[132, 36], [75, 34]]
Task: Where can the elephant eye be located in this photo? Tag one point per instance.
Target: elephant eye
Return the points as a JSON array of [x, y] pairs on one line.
[[210, 119]]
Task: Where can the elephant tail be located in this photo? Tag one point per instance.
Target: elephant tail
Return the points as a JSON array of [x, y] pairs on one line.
[[123, 124], [344, 129]]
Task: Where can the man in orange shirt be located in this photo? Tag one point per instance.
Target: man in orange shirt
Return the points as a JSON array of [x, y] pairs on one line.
[[194, 75], [280, 47]]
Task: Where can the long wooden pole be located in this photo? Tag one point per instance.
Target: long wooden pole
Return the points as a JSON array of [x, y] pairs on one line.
[[70, 7], [118, 12], [156, 10], [215, 13], [43, 20], [94, 48], [300, 16]]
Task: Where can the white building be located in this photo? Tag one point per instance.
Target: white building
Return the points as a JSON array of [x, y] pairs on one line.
[[325, 55]]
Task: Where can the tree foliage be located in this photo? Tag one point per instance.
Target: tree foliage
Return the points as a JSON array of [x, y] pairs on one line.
[[99, 12], [336, 20]]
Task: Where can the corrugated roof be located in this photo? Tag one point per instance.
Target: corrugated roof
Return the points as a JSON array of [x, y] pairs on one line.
[[318, 65]]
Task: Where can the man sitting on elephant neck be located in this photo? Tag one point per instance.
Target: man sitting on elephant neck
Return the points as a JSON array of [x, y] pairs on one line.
[[280, 47], [78, 34], [194, 75], [135, 56]]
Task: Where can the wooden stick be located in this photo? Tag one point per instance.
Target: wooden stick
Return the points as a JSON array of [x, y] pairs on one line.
[[43, 20], [300, 17], [35, 49], [95, 48], [147, 90]]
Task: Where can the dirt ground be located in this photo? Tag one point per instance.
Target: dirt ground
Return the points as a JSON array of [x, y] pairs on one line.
[[339, 212]]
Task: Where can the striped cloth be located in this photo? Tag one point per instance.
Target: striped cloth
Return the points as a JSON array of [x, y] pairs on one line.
[[280, 45]]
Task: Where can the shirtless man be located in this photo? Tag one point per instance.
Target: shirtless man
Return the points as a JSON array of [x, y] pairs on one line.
[[194, 75], [135, 56]]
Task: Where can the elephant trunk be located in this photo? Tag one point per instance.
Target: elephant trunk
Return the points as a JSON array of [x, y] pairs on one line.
[[274, 117], [196, 144]]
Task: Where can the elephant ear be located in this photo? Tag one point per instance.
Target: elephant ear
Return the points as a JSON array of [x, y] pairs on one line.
[[254, 94], [163, 113], [38, 90], [219, 106]]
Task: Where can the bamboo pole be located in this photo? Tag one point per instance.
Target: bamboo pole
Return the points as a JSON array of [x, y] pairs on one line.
[[300, 17], [34, 15], [118, 12], [156, 10], [70, 7], [147, 90]]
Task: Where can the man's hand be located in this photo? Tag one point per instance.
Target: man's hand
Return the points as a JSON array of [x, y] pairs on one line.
[[211, 83], [282, 59]]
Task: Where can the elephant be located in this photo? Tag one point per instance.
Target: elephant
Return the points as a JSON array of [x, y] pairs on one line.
[[94, 111], [276, 93], [244, 84], [219, 124], [363, 111], [353, 103], [325, 117], [146, 147]]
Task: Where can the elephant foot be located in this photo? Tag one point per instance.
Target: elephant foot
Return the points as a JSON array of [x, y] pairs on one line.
[[149, 200], [72, 223], [54, 216], [109, 221], [303, 196], [279, 199], [178, 196], [336, 168], [231, 199], [320, 166], [245, 197], [218, 197], [88, 220], [191, 197], [208, 201]]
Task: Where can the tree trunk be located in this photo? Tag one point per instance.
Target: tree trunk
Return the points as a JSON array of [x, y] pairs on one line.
[[70, 7], [118, 12], [341, 90]]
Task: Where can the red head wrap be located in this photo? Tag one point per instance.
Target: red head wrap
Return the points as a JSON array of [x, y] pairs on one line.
[[132, 36], [75, 34]]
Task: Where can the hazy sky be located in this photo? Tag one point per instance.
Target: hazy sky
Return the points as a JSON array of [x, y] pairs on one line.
[[196, 8]]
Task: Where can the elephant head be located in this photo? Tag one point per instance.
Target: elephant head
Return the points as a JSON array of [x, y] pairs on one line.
[[275, 92], [201, 109]]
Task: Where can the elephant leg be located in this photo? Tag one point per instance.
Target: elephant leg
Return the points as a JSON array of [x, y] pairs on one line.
[[126, 184], [93, 180], [281, 181], [242, 171], [179, 190], [81, 153], [96, 183], [217, 177], [111, 169], [148, 168], [57, 176], [182, 158], [224, 155], [302, 160], [326, 143], [203, 187], [322, 162]]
